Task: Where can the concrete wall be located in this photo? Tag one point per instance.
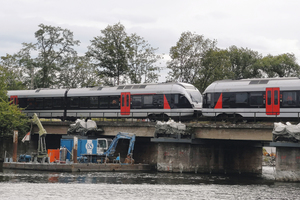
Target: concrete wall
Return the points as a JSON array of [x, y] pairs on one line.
[[178, 157], [288, 158]]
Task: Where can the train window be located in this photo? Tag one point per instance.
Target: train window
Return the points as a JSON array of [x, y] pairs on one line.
[[175, 98], [127, 100], [289, 99], [74, 102], [39, 103], [30, 103], [93, 102], [215, 99], [48, 103], [229, 100], [103, 102], [184, 102], [114, 102], [57, 102], [22, 102], [158, 101], [206, 100], [269, 97], [276, 97], [241, 97], [256, 99], [174, 103], [136, 101], [148, 99], [84, 102]]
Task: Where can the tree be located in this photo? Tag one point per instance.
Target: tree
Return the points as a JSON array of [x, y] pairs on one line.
[[28, 65], [55, 48], [11, 117], [110, 52], [80, 73], [11, 73], [186, 57], [215, 66], [244, 62], [142, 59], [283, 65], [120, 57]]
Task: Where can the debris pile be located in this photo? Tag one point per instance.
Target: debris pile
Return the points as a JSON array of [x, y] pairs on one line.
[[171, 129], [286, 133], [82, 127]]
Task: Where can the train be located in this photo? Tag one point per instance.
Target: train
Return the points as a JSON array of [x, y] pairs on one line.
[[253, 98], [153, 101]]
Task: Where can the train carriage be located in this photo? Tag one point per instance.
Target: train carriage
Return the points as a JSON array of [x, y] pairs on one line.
[[253, 98], [151, 100]]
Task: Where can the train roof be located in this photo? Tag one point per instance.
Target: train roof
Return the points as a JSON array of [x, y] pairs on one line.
[[134, 88], [37, 93], [256, 84], [105, 90]]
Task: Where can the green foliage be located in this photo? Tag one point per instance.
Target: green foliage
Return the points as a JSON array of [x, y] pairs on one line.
[[10, 73], [80, 73], [186, 57], [55, 48], [215, 66], [142, 59], [119, 56], [283, 65], [109, 52], [244, 62], [11, 118]]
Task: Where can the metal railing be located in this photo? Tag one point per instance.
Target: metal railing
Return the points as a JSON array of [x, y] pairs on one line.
[[117, 116], [165, 116]]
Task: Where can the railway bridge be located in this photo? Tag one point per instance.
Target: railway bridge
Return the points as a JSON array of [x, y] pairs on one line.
[[211, 147]]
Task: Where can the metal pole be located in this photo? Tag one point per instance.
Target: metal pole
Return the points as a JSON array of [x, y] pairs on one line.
[[75, 149]]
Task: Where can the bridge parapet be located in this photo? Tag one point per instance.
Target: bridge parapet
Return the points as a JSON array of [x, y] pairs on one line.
[[217, 131]]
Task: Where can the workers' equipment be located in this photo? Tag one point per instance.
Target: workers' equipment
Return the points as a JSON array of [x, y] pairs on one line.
[[105, 148], [42, 152], [112, 148], [24, 158]]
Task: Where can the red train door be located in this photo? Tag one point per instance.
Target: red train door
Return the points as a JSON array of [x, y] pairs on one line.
[[272, 101], [14, 100], [125, 103]]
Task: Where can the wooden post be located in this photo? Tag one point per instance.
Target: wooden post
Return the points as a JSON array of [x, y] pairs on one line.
[[15, 146]]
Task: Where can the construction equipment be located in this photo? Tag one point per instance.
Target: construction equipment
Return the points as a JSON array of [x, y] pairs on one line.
[[42, 152], [112, 148], [100, 149]]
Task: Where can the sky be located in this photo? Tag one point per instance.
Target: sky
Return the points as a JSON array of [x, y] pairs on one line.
[[265, 26]]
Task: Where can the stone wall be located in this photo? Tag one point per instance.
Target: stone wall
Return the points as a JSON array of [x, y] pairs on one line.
[[178, 157]]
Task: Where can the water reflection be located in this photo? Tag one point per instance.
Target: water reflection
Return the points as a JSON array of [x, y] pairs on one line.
[[114, 185], [28, 176]]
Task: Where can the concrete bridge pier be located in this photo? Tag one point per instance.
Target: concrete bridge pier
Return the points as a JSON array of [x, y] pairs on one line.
[[216, 157], [287, 161]]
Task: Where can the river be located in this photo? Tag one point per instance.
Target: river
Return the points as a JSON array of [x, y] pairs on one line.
[[22, 184]]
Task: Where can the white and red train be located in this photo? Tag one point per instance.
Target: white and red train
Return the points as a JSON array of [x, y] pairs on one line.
[[149, 100], [253, 98]]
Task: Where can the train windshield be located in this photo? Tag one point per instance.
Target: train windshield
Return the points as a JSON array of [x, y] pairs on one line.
[[195, 96]]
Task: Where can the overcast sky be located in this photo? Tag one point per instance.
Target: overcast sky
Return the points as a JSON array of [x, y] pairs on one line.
[[265, 26]]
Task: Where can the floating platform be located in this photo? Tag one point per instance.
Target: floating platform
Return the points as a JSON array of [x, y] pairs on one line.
[[78, 167]]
